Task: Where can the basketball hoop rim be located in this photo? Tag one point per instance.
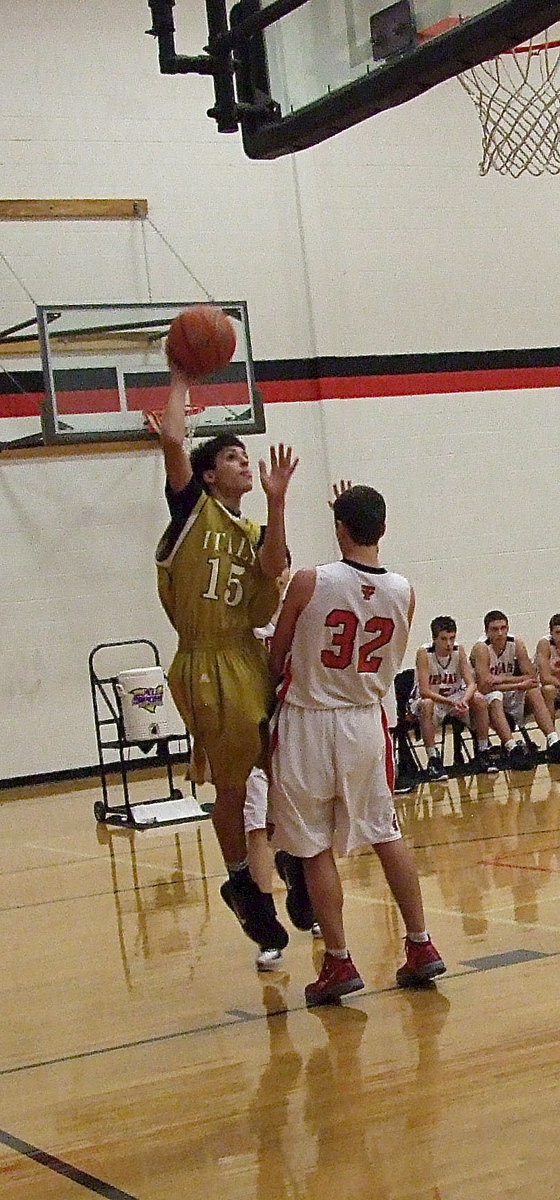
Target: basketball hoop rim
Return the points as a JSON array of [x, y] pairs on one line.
[[192, 413], [536, 48], [190, 410], [523, 48]]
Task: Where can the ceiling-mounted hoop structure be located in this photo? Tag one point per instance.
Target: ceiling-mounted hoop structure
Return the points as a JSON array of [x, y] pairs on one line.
[[235, 57], [517, 98]]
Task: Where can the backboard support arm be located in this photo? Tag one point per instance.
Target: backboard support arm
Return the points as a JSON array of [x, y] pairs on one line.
[[218, 57]]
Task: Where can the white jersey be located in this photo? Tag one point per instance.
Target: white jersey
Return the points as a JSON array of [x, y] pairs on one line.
[[445, 676], [554, 654], [350, 639], [506, 662]]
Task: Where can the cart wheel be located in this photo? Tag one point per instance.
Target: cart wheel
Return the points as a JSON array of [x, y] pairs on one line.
[[99, 810]]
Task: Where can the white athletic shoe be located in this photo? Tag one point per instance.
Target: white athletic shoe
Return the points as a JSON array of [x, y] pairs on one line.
[[316, 930], [268, 960]]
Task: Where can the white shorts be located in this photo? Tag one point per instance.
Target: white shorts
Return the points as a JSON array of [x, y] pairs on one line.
[[513, 703], [332, 779], [389, 703], [256, 801], [441, 711]]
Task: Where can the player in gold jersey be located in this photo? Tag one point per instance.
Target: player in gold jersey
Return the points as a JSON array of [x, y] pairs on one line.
[[218, 579]]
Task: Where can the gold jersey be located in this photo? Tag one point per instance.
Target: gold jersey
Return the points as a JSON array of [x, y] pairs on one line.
[[214, 592], [210, 580]]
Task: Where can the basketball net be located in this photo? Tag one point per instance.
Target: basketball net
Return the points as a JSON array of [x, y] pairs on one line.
[[517, 99], [193, 414]]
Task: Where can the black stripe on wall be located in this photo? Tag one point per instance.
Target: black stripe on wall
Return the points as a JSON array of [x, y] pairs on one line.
[[331, 366], [405, 364]]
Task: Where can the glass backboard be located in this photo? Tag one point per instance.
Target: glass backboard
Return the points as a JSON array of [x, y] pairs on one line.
[[104, 367], [21, 386], [328, 64]]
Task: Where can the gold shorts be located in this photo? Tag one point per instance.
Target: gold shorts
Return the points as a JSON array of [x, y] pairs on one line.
[[224, 697]]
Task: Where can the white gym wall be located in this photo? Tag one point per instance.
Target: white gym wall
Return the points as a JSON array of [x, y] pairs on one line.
[[383, 240]]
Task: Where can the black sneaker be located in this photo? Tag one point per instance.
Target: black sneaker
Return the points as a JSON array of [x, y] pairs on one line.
[[553, 752], [436, 770], [298, 904], [485, 764], [254, 910], [519, 759], [403, 786]]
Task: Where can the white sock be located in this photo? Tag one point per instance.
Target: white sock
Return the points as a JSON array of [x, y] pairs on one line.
[[432, 752], [483, 744], [511, 744], [551, 738], [418, 937]]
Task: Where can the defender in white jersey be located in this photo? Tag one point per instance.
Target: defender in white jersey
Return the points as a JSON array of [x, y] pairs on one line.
[[547, 662], [445, 686], [508, 679], [259, 850], [339, 641]]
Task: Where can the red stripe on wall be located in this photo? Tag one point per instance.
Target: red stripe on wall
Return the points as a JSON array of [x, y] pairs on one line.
[[96, 400], [102, 400], [285, 391], [19, 404], [146, 398], [345, 387]]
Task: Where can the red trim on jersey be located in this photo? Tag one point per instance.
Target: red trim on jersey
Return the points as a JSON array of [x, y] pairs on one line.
[[283, 686], [281, 693], [389, 759]]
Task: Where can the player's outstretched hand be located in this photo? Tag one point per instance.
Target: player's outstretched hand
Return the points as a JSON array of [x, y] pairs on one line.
[[282, 466], [339, 488], [152, 421]]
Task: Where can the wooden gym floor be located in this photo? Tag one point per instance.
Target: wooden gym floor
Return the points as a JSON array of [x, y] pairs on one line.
[[143, 1058]]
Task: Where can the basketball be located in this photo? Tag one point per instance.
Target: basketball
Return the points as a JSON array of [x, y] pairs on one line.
[[201, 340]]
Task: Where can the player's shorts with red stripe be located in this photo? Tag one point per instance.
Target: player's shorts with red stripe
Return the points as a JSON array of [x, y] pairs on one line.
[[332, 779]]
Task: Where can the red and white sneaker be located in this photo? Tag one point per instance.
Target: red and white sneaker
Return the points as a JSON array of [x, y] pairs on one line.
[[338, 977], [422, 964]]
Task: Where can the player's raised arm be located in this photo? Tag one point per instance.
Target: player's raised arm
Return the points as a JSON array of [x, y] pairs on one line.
[[297, 597], [275, 480], [172, 432]]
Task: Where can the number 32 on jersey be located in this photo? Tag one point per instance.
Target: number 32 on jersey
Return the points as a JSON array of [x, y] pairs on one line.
[[347, 631]]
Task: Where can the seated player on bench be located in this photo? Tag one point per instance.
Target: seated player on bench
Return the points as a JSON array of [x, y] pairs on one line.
[[547, 662], [444, 687], [508, 680]]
